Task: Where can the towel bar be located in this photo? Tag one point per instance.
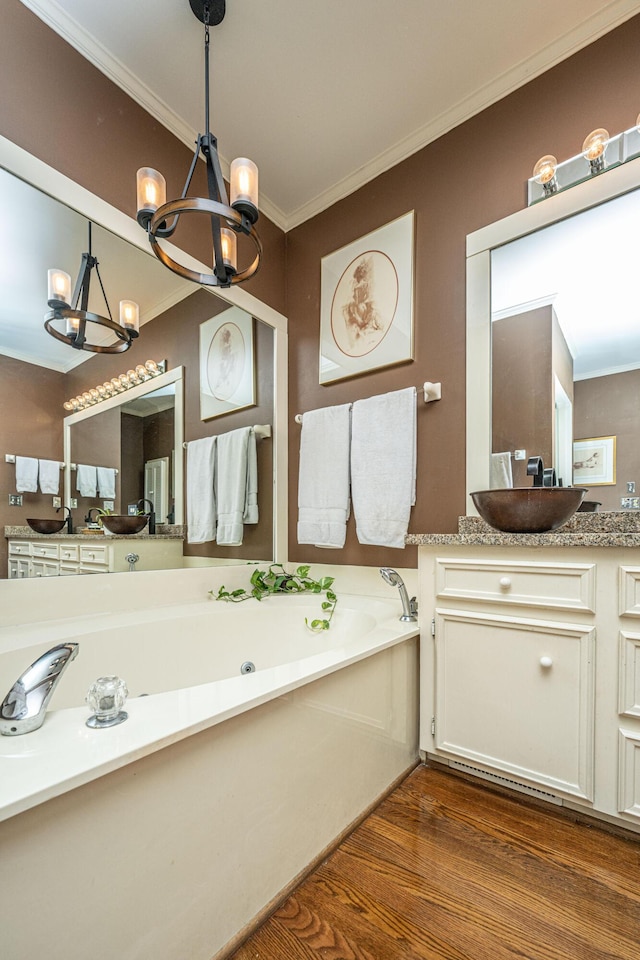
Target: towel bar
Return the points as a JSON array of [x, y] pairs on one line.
[[261, 430], [430, 391]]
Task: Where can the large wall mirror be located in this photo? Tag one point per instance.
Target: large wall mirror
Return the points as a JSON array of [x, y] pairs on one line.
[[553, 340], [47, 219]]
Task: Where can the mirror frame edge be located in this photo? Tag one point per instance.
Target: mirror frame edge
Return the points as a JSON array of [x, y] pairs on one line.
[[561, 206], [39, 174]]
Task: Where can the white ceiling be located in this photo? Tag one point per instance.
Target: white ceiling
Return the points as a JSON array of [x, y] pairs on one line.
[[324, 96]]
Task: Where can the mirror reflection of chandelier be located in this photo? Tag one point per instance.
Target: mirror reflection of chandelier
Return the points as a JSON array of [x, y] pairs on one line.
[[74, 310], [229, 218]]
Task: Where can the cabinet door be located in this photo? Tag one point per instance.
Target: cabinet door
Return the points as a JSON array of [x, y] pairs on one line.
[[517, 695], [18, 568]]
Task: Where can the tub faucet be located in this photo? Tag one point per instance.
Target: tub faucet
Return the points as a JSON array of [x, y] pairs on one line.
[[24, 707], [152, 517], [409, 607]]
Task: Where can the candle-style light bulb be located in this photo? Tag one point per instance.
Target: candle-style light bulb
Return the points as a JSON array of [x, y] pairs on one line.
[[151, 190], [229, 243], [243, 187], [59, 288], [130, 316]]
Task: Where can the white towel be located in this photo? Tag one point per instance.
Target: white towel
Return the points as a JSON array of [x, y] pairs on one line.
[[500, 473], [251, 495], [323, 479], [231, 485], [106, 482], [26, 475], [86, 480], [49, 476], [201, 501], [383, 466]]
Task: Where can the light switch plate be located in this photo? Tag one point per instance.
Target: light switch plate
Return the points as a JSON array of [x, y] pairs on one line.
[[15, 499], [57, 503]]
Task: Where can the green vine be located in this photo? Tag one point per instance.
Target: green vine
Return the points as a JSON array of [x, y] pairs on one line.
[[276, 579]]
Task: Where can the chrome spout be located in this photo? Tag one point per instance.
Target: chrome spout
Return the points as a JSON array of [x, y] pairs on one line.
[[24, 707], [409, 606]]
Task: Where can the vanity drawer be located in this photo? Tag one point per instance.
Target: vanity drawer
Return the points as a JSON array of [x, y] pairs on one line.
[[93, 553], [69, 552], [48, 551], [561, 586], [44, 568], [19, 548]]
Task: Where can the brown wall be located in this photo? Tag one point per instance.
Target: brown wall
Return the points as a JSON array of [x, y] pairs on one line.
[[31, 399], [472, 176], [610, 407], [522, 388]]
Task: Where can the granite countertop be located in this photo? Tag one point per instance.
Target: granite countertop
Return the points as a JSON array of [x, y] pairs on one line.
[[606, 529], [163, 532]]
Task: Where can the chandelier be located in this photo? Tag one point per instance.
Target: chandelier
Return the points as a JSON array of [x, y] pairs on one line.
[[76, 315], [229, 218]]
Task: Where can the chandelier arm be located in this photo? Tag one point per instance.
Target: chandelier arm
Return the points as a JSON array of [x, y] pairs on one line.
[[212, 207], [103, 293]]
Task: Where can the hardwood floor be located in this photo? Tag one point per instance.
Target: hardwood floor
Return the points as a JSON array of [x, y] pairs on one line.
[[445, 869]]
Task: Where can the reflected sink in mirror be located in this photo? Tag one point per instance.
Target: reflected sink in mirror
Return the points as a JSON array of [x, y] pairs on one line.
[[528, 509], [124, 524], [46, 526]]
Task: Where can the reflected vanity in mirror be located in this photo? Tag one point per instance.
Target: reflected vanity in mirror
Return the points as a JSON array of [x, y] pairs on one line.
[[146, 426], [553, 339]]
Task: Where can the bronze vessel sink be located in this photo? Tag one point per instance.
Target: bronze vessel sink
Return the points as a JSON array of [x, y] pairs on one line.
[[124, 524], [46, 526], [528, 509]]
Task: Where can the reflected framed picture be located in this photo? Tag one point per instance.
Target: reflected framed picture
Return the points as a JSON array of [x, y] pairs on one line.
[[227, 377], [594, 461], [366, 303]]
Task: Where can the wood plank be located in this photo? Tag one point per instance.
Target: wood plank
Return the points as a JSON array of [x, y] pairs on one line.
[[447, 869]]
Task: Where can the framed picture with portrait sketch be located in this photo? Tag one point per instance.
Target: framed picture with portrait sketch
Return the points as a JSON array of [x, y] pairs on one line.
[[594, 462], [366, 303], [227, 378]]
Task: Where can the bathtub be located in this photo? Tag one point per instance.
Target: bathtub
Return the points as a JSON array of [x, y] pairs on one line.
[[178, 830]]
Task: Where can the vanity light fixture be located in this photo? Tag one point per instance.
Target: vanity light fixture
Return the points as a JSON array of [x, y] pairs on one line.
[[74, 310], [228, 218], [600, 152], [111, 388]]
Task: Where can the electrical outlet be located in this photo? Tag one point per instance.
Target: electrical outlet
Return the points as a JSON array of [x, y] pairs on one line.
[[630, 503], [132, 509], [57, 503], [108, 505], [15, 499]]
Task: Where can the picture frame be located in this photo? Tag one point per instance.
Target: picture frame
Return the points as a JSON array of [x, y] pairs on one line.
[[227, 366], [594, 462], [366, 302]]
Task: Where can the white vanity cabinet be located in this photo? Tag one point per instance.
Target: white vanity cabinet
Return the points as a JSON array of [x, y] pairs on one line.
[[67, 556], [530, 669]]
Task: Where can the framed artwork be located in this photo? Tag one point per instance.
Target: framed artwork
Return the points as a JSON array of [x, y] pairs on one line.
[[227, 379], [366, 303], [594, 461]]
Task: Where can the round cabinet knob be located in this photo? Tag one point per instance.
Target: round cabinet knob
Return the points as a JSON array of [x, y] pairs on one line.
[[505, 582], [546, 662]]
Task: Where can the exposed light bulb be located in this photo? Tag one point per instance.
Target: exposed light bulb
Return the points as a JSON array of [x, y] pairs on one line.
[[594, 147], [544, 173]]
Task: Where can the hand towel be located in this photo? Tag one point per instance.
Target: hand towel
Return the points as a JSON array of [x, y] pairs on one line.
[[26, 475], [231, 485], [251, 495], [86, 480], [383, 466], [201, 502], [49, 476], [106, 482], [323, 478], [500, 473]]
